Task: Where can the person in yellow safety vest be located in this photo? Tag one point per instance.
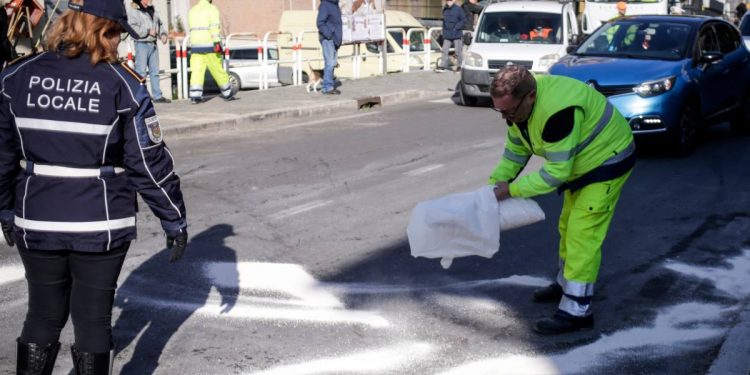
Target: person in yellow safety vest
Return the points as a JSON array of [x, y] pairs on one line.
[[589, 151], [205, 46], [630, 33], [540, 33]]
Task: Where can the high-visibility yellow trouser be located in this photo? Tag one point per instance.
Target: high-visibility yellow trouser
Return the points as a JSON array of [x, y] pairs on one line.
[[198, 64], [583, 225]]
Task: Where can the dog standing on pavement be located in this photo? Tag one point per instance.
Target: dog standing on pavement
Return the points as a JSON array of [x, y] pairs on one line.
[[315, 80]]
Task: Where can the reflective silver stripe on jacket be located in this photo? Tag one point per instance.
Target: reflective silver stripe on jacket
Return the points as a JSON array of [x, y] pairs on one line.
[[56, 171], [622, 155], [556, 156], [199, 29], [609, 110], [75, 227], [551, 181], [63, 126], [512, 156]]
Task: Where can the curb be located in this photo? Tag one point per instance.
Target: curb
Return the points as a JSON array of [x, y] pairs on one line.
[[734, 356], [338, 107]]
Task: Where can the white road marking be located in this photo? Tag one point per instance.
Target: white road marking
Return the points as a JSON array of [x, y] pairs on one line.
[[676, 325], [674, 328], [423, 170], [11, 273], [733, 280], [487, 144], [442, 101], [372, 361], [280, 278], [299, 209]]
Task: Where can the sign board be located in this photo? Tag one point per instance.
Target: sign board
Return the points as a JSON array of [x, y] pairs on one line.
[[364, 20]]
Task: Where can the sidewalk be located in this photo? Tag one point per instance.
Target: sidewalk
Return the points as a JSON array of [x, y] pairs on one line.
[[182, 117]]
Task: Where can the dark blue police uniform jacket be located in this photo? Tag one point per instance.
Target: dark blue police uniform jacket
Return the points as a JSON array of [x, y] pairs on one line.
[[76, 143]]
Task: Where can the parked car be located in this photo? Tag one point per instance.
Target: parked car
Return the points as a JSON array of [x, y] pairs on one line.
[[245, 68], [668, 75], [530, 33]]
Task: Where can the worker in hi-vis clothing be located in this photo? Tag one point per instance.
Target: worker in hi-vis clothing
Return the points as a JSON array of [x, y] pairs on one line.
[[589, 153], [205, 46]]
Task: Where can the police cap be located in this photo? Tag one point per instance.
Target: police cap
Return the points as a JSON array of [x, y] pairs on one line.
[[112, 10]]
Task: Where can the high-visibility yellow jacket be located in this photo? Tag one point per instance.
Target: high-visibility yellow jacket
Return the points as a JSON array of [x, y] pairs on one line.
[[205, 27], [598, 134]]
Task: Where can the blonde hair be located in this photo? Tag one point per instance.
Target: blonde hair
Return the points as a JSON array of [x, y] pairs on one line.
[[74, 33]]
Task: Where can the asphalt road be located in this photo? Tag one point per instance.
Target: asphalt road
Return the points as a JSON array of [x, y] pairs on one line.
[[298, 261]]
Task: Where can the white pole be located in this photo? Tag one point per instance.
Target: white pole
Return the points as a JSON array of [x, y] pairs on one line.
[[313, 4]]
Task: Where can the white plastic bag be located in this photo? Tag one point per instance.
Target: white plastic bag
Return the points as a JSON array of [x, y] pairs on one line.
[[518, 212], [466, 224]]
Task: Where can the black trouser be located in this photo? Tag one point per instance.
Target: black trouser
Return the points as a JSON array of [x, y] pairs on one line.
[[76, 283]]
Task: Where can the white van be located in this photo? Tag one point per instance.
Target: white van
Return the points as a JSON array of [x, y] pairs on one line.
[[534, 34]]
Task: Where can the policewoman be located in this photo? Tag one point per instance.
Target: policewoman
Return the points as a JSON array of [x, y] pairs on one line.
[[78, 139]]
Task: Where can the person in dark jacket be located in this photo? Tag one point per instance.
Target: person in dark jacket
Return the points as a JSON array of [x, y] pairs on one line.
[[454, 20], [471, 10], [78, 138], [330, 31], [741, 9]]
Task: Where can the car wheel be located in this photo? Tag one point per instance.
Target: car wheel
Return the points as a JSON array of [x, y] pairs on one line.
[[685, 135], [234, 80], [466, 100], [739, 122]]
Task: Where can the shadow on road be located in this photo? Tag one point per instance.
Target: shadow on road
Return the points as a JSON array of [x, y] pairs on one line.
[[159, 296]]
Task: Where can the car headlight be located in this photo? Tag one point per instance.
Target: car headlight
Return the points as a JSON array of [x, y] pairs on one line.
[[546, 61], [655, 87], [473, 60]]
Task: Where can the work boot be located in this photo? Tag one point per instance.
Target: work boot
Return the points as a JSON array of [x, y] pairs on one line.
[[563, 322], [549, 294], [196, 100], [33, 359], [91, 363]]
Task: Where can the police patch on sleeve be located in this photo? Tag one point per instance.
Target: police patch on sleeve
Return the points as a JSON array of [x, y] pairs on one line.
[[154, 130]]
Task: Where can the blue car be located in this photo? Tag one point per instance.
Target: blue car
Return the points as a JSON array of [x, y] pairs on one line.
[[668, 75]]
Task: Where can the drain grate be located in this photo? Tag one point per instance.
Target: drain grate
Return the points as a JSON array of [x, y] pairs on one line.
[[369, 102]]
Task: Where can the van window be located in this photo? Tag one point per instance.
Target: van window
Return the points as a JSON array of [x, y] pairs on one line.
[[416, 40], [520, 27], [243, 54], [251, 53]]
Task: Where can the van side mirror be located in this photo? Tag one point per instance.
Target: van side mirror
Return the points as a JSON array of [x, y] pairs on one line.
[[571, 48]]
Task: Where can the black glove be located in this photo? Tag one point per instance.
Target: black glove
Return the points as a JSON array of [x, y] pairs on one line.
[[7, 230], [177, 241]]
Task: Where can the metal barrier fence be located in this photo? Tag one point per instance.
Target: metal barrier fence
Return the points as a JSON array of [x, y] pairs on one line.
[[297, 60]]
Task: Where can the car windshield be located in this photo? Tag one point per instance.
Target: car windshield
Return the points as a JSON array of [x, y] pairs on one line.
[[520, 27], [638, 40]]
